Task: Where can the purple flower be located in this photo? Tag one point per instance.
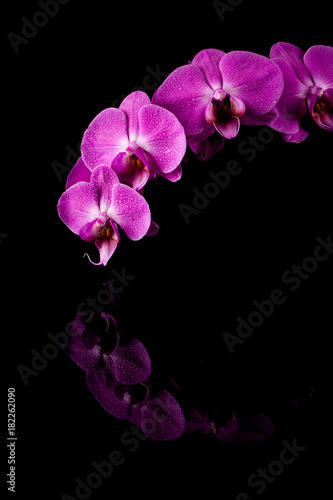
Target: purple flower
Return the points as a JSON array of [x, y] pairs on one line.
[[94, 209], [94, 345], [160, 416], [218, 92], [139, 140], [308, 89], [80, 172]]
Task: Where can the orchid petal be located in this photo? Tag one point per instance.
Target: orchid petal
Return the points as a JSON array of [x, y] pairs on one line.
[[206, 148], [153, 229], [291, 106], [130, 106], [319, 61], [162, 417], [162, 136], [80, 172], [294, 56], [208, 60], [130, 210], [228, 129], [186, 93], [87, 359], [298, 137], [79, 205], [106, 247], [132, 363], [105, 137], [253, 78], [90, 231], [104, 178], [265, 119], [103, 390]]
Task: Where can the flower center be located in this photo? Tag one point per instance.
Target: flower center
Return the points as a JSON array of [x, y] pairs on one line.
[[106, 231], [224, 107], [322, 104], [136, 163], [105, 228]]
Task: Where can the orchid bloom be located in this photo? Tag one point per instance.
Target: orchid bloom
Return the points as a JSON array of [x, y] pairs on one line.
[[94, 209], [218, 92], [308, 89], [94, 345], [139, 140]]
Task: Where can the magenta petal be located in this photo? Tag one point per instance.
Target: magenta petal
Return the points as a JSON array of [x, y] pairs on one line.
[[162, 417], [291, 106], [265, 119], [208, 60], [186, 93], [130, 106], [90, 231], [298, 137], [162, 136], [228, 129], [154, 169], [104, 178], [319, 61], [80, 172], [130, 210], [132, 363], [175, 175], [253, 78], [106, 247], [79, 205], [294, 56], [153, 229], [207, 148], [86, 359], [105, 137]]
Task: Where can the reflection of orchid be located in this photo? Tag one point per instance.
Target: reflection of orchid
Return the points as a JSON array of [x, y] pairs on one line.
[[226, 427], [159, 416], [95, 346]]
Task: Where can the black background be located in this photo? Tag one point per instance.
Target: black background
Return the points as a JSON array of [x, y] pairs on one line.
[[191, 280]]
